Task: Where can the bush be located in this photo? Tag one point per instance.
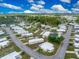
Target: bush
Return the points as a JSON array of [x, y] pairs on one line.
[[54, 38]]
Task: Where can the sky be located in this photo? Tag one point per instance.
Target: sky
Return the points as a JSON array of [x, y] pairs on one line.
[[39, 6]]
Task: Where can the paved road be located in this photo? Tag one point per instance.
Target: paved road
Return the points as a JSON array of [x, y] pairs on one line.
[[24, 48], [60, 53]]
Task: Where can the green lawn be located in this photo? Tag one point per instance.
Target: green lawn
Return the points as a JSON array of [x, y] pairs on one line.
[[5, 51], [24, 40], [12, 47], [33, 46], [16, 48], [70, 47], [69, 55], [32, 29], [25, 56], [72, 34], [71, 40], [4, 35], [72, 37]]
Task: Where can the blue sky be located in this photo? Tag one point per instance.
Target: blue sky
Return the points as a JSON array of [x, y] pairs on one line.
[[39, 6]]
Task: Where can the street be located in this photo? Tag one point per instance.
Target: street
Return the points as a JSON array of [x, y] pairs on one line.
[[59, 55]]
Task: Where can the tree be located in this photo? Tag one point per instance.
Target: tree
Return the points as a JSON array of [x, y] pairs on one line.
[[54, 38], [7, 20], [77, 21], [45, 19]]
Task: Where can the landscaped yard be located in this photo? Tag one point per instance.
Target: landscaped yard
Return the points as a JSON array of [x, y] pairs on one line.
[[25, 56], [12, 47], [70, 47], [71, 40], [15, 48], [72, 34], [4, 35], [33, 46], [32, 29], [5, 51], [70, 55], [24, 40]]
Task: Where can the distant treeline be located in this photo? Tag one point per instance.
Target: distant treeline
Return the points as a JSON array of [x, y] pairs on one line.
[[53, 20]]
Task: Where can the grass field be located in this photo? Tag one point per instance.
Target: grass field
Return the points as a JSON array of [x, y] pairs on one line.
[[70, 55]]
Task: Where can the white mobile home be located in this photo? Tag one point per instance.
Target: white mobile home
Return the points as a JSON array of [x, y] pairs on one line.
[[4, 44], [32, 58], [1, 32], [13, 55], [76, 36], [47, 47], [61, 30], [27, 27], [3, 25], [77, 52], [45, 34], [77, 39], [62, 26], [77, 30], [76, 26], [36, 40], [21, 24], [27, 34], [12, 25], [3, 39], [76, 44]]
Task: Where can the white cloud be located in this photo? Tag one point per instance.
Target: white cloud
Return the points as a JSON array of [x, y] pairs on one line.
[[58, 8], [41, 2], [10, 6], [36, 7], [54, 9], [67, 1], [75, 9], [40, 9], [28, 11], [45, 11], [30, 1], [76, 5], [78, 2], [39, 6]]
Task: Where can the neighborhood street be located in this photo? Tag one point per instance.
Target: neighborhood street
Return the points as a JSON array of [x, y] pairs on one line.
[[59, 55], [61, 52], [24, 48]]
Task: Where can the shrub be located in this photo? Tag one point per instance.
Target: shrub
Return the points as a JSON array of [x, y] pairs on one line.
[[54, 38]]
